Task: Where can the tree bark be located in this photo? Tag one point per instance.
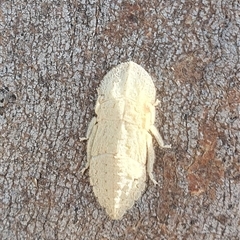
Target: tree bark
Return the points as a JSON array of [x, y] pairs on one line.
[[53, 55]]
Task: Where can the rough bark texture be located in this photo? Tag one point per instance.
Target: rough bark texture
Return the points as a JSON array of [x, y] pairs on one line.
[[53, 54]]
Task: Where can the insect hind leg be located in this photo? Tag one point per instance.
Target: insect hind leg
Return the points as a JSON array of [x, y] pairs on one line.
[[150, 158]]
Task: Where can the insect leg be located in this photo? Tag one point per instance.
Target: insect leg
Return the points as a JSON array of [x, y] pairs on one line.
[[90, 137], [150, 158], [158, 137]]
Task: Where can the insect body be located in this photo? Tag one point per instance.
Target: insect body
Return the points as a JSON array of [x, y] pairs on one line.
[[120, 150]]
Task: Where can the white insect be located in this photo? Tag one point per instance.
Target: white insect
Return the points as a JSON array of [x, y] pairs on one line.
[[120, 150]]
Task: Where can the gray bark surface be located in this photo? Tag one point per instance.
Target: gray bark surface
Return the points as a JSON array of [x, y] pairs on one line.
[[53, 55]]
